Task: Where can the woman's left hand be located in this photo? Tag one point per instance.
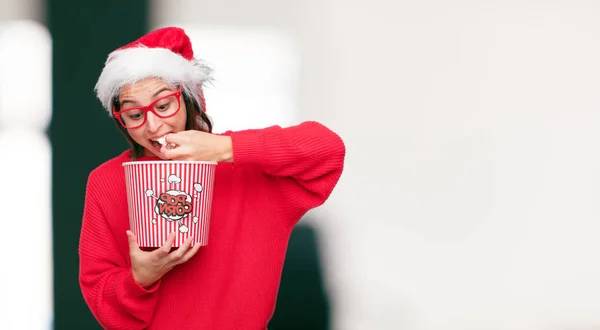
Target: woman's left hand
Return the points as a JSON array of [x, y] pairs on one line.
[[198, 146]]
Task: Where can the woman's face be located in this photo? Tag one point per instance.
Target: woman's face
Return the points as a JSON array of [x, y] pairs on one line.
[[144, 93]]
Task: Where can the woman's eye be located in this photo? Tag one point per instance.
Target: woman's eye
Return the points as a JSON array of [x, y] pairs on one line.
[[135, 116], [163, 106]]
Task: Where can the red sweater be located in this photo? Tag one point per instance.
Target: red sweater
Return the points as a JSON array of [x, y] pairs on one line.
[[278, 174]]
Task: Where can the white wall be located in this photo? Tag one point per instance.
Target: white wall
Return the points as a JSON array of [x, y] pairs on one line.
[[469, 195], [25, 164]]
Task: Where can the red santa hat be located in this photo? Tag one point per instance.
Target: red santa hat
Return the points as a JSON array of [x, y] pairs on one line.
[[164, 53]]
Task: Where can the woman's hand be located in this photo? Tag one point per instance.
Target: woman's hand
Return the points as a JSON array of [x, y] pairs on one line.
[[198, 146], [149, 267]]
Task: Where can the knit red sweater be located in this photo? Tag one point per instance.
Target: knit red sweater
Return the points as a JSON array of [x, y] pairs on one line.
[[277, 175]]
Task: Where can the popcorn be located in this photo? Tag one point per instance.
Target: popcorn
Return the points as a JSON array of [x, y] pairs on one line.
[[163, 141]]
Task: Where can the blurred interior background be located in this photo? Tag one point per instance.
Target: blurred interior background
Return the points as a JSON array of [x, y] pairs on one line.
[[468, 199]]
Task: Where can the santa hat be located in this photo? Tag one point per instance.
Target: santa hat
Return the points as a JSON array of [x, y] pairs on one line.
[[164, 53]]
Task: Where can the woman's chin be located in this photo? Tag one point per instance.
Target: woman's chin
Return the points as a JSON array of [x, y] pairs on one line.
[[152, 152]]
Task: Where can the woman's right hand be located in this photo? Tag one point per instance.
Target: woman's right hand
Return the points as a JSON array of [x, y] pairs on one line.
[[149, 267]]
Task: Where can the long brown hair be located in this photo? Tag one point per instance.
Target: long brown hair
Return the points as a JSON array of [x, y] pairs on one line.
[[192, 111]]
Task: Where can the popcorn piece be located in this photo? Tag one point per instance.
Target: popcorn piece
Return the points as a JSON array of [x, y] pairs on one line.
[[162, 140]]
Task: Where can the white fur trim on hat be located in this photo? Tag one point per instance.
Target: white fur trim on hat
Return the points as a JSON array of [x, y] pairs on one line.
[[130, 65]]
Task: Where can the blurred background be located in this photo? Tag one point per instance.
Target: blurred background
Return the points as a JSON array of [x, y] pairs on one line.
[[471, 127]]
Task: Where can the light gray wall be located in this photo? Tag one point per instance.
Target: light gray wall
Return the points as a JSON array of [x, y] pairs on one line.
[[21, 9]]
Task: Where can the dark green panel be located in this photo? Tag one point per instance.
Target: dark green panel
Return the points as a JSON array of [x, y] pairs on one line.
[[82, 135], [302, 302]]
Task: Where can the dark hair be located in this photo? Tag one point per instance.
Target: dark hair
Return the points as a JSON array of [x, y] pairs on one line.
[[192, 111]]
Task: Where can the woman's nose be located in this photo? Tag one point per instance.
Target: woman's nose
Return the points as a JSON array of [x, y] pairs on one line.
[[153, 122]]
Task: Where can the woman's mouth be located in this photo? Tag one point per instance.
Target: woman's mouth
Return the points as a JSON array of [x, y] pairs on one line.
[[158, 143]]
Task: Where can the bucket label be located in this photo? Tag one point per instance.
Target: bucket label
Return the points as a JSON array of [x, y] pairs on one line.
[[173, 204]]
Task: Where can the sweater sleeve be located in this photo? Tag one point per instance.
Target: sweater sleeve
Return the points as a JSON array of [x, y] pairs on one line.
[[307, 161], [105, 277]]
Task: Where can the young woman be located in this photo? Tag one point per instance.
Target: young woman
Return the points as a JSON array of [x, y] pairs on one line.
[[265, 181]]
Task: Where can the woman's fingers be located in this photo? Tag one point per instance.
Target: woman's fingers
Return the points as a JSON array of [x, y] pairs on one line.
[[179, 138], [132, 239], [176, 256], [180, 152], [190, 253], [166, 248], [148, 267]]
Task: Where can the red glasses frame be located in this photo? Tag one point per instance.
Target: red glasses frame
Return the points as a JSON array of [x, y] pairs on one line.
[[150, 107]]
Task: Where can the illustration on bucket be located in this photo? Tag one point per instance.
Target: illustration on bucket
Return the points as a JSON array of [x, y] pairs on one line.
[[173, 204]]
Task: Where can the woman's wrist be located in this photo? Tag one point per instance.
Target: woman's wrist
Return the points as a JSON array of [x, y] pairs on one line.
[[143, 280], [226, 154]]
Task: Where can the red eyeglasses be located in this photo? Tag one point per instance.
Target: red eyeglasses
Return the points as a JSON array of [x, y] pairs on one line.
[[164, 107]]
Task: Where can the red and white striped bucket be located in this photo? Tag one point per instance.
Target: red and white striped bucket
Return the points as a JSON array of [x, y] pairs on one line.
[[167, 196]]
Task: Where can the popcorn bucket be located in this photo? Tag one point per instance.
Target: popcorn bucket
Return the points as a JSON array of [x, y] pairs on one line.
[[167, 196]]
